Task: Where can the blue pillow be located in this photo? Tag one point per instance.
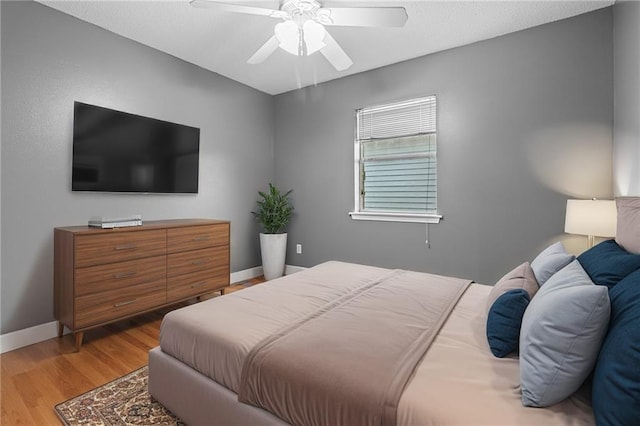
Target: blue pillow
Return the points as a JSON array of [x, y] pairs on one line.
[[607, 263], [616, 379], [503, 322]]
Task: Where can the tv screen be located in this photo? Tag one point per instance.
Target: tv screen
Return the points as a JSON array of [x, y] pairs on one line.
[[115, 151]]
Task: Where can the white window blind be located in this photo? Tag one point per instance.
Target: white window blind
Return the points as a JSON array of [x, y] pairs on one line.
[[396, 162], [414, 117]]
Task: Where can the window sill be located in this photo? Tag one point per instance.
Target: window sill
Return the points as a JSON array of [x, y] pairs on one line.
[[396, 217]]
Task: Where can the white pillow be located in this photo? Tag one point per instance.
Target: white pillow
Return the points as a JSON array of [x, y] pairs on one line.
[[561, 334], [550, 261]]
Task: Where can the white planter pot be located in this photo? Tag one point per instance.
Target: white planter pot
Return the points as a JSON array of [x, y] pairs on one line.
[[273, 248]]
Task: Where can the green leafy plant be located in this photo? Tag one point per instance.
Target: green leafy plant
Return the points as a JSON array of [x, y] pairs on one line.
[[274, 210]]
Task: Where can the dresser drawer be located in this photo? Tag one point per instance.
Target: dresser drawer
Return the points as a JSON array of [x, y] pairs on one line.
[[109, 305], [197, 237], [185, 286], [100, 249], [207, 259], [113, 276]]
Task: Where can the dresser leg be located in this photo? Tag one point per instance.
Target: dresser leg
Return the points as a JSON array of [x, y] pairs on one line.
[[60, 329], [78, 337]]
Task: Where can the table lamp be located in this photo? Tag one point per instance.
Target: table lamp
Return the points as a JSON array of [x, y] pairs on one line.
[[593, 218]]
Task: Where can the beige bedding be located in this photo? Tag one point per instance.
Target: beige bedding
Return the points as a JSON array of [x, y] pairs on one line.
[[458, 382], [349, 362], [215, 336]]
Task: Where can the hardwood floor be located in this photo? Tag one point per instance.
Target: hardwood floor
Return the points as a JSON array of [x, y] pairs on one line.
[[36, 378]]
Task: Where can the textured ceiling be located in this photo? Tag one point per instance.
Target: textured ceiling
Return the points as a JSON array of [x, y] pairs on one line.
[[222, 42]]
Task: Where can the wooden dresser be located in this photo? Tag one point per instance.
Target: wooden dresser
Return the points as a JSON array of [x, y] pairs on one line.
[[105, 275]]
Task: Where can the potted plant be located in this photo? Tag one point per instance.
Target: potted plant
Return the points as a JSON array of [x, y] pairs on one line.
[[273, 213]]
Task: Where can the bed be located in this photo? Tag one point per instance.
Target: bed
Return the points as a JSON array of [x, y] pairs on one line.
[[214, 356]]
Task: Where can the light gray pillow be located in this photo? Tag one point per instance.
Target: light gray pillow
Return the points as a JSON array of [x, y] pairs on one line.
[[550, 261], [562, 330]]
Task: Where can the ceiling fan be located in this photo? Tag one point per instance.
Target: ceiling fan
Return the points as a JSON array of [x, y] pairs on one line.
[[302, 30]]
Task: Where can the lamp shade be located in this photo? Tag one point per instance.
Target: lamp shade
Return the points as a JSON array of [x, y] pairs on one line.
[[591, 217], [313, 36], [291, 35], [288, 34]]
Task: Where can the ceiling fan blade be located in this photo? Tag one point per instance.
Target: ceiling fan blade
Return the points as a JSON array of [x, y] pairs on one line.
[[334, 53], [265, 51], [236, 8], [363, 16]]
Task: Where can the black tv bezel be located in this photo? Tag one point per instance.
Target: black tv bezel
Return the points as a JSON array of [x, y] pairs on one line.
[[132, 191]]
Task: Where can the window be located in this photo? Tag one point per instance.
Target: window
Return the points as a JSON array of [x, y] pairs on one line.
[[396, 162]]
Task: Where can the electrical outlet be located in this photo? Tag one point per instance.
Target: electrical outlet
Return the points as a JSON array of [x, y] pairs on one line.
[[299, 248]]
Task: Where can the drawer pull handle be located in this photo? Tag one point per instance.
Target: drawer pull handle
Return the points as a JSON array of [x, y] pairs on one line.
[[124, 275], [203, 283], [199, 261], [128, 302], [202, 238], [125, 247]]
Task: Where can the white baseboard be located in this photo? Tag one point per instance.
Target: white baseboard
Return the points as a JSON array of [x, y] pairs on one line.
[[38, 333], [28, 336], [291, 269], [245, 274]]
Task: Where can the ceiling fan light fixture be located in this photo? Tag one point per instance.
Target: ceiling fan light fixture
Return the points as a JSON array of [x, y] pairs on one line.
[[313, 36], [288, 34]]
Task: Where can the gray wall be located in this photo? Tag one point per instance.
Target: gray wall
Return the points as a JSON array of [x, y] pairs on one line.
[[49, 60], [626, 130], [525, 122]]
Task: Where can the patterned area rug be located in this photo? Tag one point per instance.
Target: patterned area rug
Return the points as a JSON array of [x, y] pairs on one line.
[[124, 401]]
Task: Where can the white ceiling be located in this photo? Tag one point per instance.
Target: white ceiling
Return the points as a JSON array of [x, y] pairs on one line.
[[222, 42]]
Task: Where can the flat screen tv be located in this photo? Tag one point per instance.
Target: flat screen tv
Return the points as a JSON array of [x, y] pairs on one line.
[[115, 151]]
